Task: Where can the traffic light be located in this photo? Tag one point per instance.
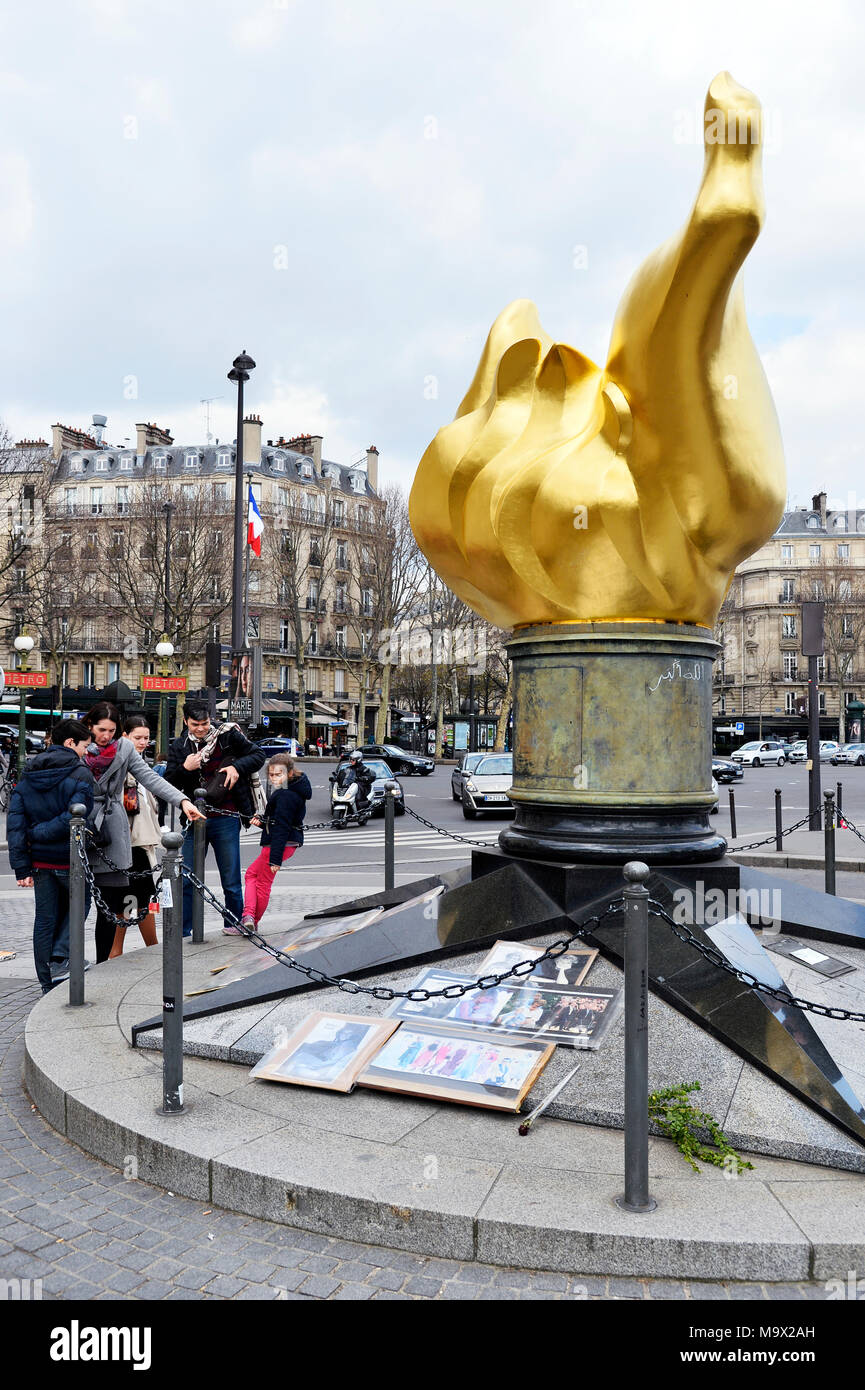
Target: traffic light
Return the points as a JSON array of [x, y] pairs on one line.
[[213, 665]]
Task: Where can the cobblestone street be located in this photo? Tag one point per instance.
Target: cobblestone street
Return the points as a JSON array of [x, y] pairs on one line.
[[87, 1232]]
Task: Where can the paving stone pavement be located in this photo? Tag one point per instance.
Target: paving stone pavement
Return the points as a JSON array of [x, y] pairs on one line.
[[88, 1232]]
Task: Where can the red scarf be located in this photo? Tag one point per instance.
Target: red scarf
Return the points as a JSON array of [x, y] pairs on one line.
[[99, 761]]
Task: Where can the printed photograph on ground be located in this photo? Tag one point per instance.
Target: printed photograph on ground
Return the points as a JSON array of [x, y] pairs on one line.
[[522, 1008], [423, 1060], [327, 1050], [570, 968]]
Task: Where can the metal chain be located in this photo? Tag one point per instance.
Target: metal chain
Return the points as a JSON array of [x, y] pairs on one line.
[[781, 994], [134, 919], [448, 834], [758, 844], [845, 824], [384, 992]]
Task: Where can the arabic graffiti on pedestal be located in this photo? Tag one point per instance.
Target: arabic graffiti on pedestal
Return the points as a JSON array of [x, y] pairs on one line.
[[678, 673]]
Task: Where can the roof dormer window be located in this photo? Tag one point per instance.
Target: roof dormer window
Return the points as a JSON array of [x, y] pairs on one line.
[[191, 460], [813, 521], [76, 463], [358, 481], [159, 462], [306, 470], [223, 459], [126, 463], [278, 463]]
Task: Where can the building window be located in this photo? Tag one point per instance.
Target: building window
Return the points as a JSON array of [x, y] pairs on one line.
[[312, 644], [312, 594], [846, 624], [722, 705], [96, 500], [817, 588], [787, 554], [814, 554], [790, 663], [88, 673], [821, 701], [223, 459], [101, 465], [849, 695], [338, 512], [339, 601], [278, 463], [191, 460], [813, 522], [64, 673], [159, 463], [148, 668], [220, 492], [367, 601], [822, 668], [113, 671], [126, 463], [214, 632], [789, 702], [363, 516], [122, 499], [341, 555], [788, 625], [786, 590], [843, 551], [340, 639], [338, 679], [845, 588], [284, 636], [76, 463], [70, 498], [256, 492], [284, 678], [254, 581]]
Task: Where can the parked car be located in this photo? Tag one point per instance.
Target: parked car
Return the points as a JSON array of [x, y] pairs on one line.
[[850, 753], [725, 770], [277, 743], [760, 753], [459, 774], [487, 787], [829, 747], [713, 809], [399, 760], [799, 751]]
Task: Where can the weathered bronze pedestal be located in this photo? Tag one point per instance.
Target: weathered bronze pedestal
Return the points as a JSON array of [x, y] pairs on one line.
[[613, 743]]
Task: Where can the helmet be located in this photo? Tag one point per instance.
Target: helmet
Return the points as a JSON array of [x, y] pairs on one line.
[[355, 756]]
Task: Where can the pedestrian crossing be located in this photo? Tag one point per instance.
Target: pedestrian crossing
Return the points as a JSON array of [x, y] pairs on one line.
[[372, 836]]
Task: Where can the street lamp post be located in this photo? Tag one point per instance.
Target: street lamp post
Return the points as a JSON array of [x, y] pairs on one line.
[[165, 651], [23, 646], [240, 370]]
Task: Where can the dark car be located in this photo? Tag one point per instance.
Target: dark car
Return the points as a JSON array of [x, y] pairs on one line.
[[725, 770], [401, 762]]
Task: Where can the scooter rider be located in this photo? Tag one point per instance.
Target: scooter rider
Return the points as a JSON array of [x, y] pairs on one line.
[[354, 779]]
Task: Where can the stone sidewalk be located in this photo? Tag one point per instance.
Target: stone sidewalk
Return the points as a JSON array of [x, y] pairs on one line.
[[89, 1232]]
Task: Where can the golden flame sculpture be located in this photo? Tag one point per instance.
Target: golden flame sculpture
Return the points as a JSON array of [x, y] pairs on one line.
[[563, 491]]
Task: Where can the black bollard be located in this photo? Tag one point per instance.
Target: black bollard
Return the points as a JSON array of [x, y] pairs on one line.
[[838, 801], [199, 852], [390, 791], [171, 897], [829, 841], [732, 815], [779, 833], [636, 923], [77, 902]]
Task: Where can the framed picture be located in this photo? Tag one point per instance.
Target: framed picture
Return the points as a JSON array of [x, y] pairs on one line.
[[520, 1008], [570, 968], [327, 1051], [423, 1060]]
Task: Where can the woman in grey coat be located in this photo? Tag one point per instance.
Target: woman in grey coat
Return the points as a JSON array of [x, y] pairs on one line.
[[110, 758]]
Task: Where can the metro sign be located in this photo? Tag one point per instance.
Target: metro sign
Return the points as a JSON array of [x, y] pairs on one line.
[[30, 679], [164, 684]]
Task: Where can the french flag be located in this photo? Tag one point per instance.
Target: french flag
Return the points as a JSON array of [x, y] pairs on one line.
[[254, 524]]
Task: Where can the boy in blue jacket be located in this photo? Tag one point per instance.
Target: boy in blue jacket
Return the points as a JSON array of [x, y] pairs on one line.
[[37, 835], [281, 836]]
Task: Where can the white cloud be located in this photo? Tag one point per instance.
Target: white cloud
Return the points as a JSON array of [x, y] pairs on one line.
[[16, 201]]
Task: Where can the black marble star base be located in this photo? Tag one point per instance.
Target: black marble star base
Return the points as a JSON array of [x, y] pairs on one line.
[[501, 896]]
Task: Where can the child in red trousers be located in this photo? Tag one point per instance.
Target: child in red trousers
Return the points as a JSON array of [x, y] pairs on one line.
[[282, 834]]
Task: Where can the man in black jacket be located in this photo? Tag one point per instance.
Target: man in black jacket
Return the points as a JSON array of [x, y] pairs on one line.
[[194, 763], [37, 834]]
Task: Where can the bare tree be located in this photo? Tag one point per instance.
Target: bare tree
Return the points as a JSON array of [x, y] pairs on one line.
[[198, 542], [57, 599], [841, 589], [397, 566], [301, 552], [26, 479]]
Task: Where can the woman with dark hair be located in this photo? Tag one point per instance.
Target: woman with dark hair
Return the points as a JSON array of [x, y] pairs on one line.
[[111, 760], [146, 837]]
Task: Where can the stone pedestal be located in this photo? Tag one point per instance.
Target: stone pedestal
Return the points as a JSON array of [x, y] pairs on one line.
[[613, 743]]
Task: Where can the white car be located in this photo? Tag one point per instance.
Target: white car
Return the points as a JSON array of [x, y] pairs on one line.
[[760, 753], [486, 787]]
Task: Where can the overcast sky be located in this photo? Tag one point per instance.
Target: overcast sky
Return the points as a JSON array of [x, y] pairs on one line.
[[352, 192]]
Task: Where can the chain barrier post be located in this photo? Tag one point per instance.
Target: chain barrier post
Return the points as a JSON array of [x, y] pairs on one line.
[[390, 791], [636, 921], [171, 894], [732, 815], [77, 900], [779, 833], [838, 801], [829, 842], [199, 853]]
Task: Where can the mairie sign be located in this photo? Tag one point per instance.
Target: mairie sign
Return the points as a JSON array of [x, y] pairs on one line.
[[164, 683], [31, 679]]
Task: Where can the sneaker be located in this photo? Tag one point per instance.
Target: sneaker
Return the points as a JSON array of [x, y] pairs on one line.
[[60, 971], [232, 931]]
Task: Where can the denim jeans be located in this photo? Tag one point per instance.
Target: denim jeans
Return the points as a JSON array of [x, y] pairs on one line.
[[223, 836], [51, 922]]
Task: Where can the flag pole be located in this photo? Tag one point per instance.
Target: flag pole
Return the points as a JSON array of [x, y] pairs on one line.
[[245, 639]]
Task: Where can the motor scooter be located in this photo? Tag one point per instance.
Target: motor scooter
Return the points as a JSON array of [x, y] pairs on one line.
[[348, 806]]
